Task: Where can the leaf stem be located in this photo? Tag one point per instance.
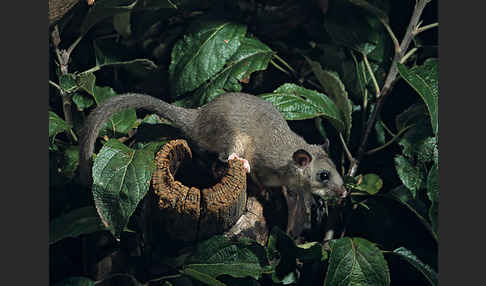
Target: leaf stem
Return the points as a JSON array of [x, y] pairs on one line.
[[372, 75], [280, 68], [392, 36], [285, 64]]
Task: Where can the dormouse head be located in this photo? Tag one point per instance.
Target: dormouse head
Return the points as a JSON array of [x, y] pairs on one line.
[[316, 172]]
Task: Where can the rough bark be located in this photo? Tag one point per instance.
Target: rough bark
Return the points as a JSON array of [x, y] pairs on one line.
[[58, 8]]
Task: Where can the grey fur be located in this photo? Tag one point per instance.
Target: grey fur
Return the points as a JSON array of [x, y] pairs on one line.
[[232, 123]]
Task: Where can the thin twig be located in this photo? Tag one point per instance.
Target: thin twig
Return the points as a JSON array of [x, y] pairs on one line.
[[408, 55], [55, 85], [285, 64], [372, 75], [73, 45], [280, 68], [346, 150], [389, 142], [425, 28], [165, 278]]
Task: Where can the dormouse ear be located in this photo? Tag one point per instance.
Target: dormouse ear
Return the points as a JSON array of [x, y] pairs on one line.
[[325, 145], [302, 158]]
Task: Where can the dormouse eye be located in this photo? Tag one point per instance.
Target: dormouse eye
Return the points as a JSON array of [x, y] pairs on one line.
[[323, 176]]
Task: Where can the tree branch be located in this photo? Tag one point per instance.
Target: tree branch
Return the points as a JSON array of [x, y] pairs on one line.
[[389, 81]]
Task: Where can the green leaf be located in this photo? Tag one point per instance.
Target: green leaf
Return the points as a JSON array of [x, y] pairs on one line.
[[424, 79], [430, 275], [86, 81], [201, 54], [56, 124], [109, 53], [217, 256], [428, 150], [370, 183], [75, 223], [68, 82], [356, 261], [76, 281], [202, 277], [251, 56], [82, 102], [411, 176], [433, 195], [121, 122], [105, 9], [297, 103], [335, 89], [121, 178]]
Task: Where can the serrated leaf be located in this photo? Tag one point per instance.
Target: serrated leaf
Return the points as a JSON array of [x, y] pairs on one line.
[[428, 150], [251, 56], [297, 103], [121, 122], [201, 54], [217, 256], [433, 195], [76, 281], [370, 183], [430, 275], [104, 9], [68, 82], [424, 79], [121, 178], [81, 101], [356, 261], [56, 124], [335, 89], [75, 223], [86, 81], [403, 196], [412, 176]]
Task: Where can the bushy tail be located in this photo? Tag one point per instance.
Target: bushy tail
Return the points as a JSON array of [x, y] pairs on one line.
[[178, 116]]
